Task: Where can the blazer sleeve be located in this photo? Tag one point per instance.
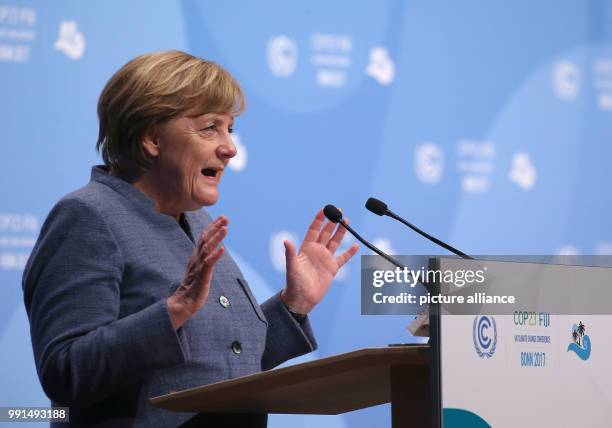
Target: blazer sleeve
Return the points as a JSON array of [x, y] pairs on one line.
[[286, 337], [72, 285]]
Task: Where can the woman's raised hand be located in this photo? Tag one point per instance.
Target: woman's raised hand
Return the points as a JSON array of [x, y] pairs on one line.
[[311, 271], [191, 295]]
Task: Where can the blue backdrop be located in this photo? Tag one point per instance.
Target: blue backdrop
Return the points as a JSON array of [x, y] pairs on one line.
[[486, 123]]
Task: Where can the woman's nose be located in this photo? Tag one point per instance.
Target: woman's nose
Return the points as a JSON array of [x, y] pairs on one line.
[[228, 149]]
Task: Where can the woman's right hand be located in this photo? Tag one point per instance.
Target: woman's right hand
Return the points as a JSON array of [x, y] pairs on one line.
[[190, 296]]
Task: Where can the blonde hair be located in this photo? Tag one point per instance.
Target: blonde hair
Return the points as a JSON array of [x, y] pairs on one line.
[[154, 88]]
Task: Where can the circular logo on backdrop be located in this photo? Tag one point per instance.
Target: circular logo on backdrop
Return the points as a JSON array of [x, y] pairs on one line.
[[238, 162], [566, 80], [429, 163], [485, 336], [282, 56], [276, 248], [384, 245]]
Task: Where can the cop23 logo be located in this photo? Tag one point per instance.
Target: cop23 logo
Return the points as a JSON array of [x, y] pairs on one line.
[[485, 336], [581, 342]]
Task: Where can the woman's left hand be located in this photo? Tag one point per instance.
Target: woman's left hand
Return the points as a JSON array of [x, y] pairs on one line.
[[311, 271]]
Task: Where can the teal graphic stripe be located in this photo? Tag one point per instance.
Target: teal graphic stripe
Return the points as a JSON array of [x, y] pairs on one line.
[[460, 418]]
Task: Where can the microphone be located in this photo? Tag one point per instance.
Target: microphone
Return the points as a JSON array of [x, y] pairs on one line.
[[334, 215], [378, 207]]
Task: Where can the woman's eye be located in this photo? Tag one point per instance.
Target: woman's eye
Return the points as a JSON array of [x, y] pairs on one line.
[[209, 128], [214, 127]]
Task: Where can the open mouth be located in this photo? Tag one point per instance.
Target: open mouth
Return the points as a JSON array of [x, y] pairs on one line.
[[210, 172]]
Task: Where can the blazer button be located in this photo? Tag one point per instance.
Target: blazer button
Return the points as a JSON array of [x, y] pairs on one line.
[[224, 301], [236, 347]]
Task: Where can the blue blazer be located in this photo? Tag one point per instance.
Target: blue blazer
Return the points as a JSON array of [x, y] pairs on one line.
[[95, 288]]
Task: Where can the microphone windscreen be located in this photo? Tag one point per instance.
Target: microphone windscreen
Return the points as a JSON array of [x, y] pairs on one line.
[[376, 206], [332, 213]]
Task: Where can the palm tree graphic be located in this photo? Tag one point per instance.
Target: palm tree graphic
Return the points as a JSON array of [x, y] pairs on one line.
[[577, 333]]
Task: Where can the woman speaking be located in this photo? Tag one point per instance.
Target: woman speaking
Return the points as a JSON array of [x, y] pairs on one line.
[[129, 291]]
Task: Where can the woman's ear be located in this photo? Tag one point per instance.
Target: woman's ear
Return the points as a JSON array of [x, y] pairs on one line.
[[150, 143]]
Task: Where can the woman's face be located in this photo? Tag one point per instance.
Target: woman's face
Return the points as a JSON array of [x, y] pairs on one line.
[[192, 153]]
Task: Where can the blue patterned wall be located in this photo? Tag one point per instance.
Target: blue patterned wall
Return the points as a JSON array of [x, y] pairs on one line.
[[486, 123]]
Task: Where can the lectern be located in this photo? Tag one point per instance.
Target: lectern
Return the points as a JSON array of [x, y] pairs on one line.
[[328, 386]]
